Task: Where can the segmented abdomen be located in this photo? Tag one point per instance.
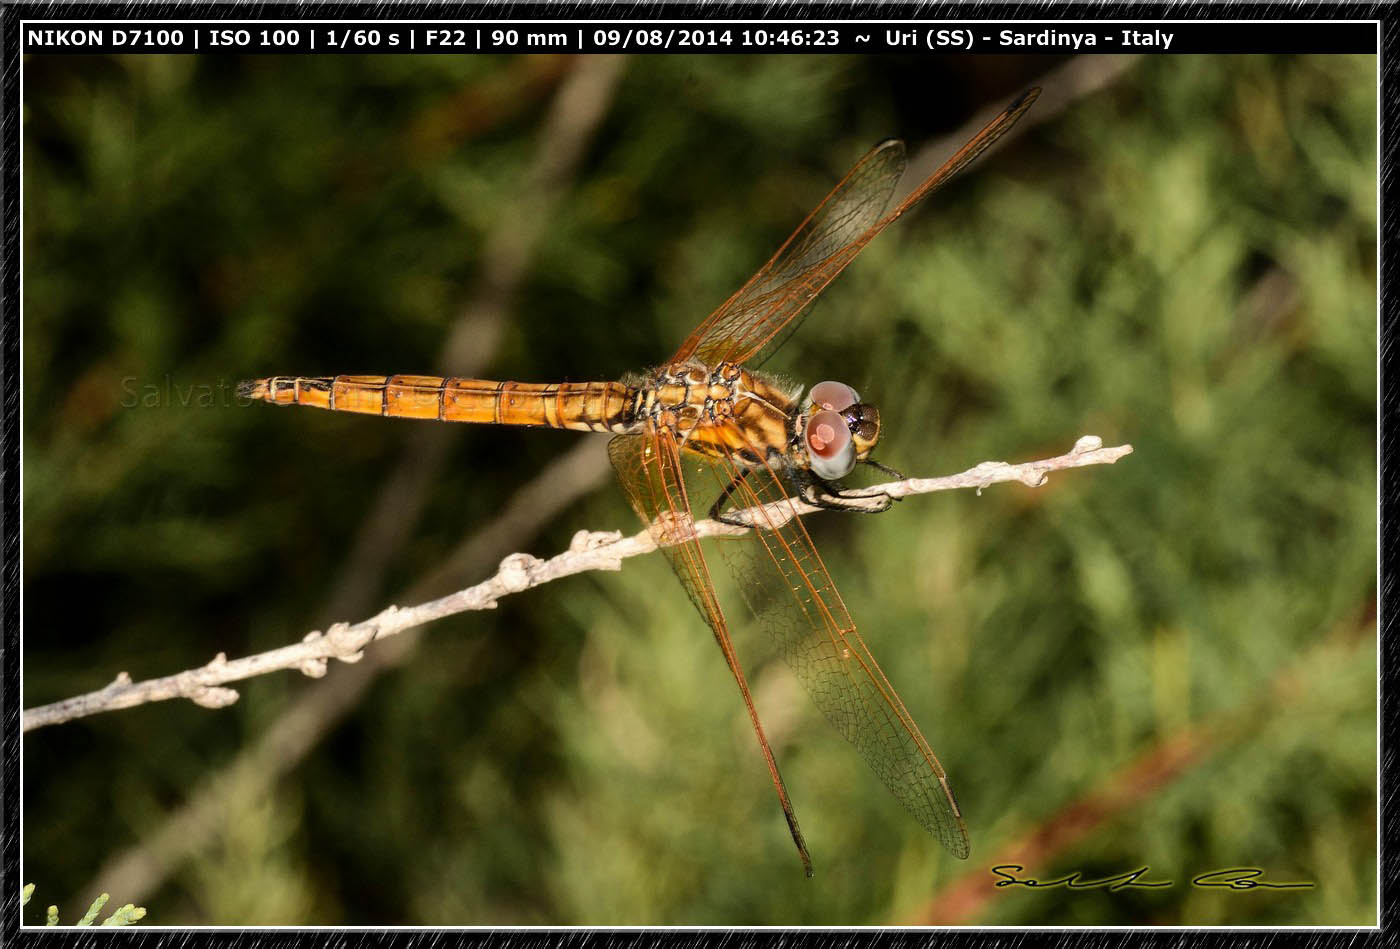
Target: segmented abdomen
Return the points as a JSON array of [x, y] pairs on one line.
[[581, 406]]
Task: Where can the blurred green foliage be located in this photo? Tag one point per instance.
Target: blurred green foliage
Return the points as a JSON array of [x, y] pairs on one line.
[[1184, 261], [124, 915]]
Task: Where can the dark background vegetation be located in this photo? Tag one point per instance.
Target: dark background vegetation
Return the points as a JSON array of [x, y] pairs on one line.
[[1169, 662]]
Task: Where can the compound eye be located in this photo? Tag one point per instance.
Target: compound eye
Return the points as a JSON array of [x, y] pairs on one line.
[[830, 449], [835, 396]]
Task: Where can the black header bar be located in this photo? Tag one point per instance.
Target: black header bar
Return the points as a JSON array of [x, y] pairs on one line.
[[695, 36]]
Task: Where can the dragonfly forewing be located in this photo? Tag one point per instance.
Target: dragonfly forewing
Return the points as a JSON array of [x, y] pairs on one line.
[[650, 469], [793, 598], [760, 314], [764, 311]]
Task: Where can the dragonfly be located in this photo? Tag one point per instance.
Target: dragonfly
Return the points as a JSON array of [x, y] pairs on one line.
[[706, 428]]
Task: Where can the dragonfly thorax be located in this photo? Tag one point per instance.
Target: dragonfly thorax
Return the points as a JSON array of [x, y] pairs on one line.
[[753, 419], [722, 410]]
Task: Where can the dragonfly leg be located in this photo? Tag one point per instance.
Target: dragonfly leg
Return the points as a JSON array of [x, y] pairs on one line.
[[813, 490], [716, 510], [829, 496], [883, 468]]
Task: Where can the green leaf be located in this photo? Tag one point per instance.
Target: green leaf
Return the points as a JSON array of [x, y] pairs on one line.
[[94, 909]]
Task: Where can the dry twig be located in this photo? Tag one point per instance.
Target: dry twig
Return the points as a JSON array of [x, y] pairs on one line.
[[518, 572]]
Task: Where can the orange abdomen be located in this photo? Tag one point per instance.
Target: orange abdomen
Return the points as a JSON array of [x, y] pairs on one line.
[[581, 406]]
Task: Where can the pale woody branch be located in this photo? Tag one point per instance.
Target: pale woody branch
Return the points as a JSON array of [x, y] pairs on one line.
[[518, 572]]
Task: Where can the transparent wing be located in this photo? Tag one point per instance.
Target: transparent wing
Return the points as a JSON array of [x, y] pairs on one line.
[[763, 312], [792, 595], [789, 591], [649, 468], [824, 243]]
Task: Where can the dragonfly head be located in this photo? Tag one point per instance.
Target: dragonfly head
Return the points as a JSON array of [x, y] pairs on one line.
[[838, 429]]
